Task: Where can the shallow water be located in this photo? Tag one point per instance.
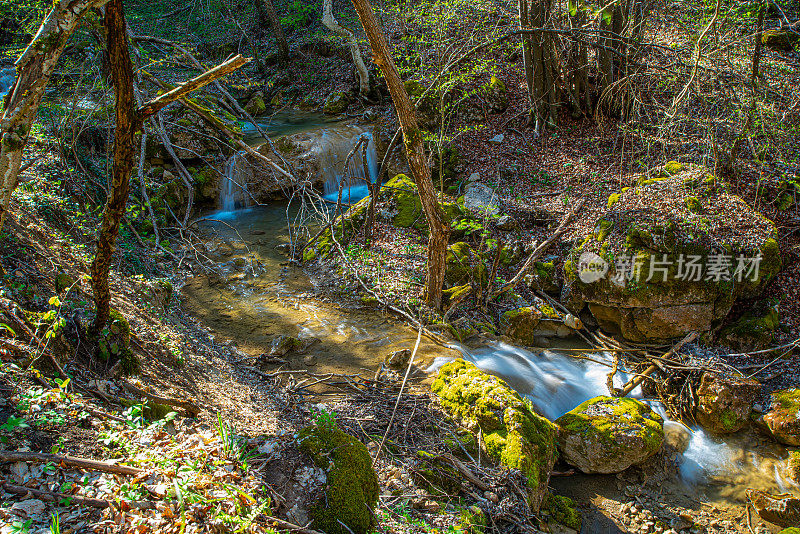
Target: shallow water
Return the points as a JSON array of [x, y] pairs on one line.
[[270, 297]]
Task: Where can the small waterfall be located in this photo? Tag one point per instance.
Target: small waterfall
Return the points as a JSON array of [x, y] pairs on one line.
[[233, 194], [332, 150], [7, 77]]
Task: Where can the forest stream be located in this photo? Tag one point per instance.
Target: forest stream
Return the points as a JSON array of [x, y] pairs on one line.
[[259, 294]]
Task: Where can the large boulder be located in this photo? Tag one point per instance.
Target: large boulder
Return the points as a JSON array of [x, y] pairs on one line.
[[724, 404], [405, 207], [513, 434], [463, 265], [782, 39], [782, 510], [783, 418], [670, 256], [608, 435], [481, 200], [346, 501]]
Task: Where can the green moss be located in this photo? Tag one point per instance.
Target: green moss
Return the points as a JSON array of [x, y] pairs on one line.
[[790, 530], [648, 423], [602, 229], [694, 205], [351, 490], [794, 466], [787, 399], [673, 167], [472, 521], [563, 511], [435, 475], [514, 435], [613, 199], [785, 201], [454, 294], [463, 265], [496, 84], [63, 282]]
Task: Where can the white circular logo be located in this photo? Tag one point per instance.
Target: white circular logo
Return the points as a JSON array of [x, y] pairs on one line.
[[591, 267]]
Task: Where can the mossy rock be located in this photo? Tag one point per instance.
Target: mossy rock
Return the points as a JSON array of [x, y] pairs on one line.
[[754, 330], [464, 266], [724, 404], [63, 282], [256, 105], [783, 418], [336, 103], [351, 491], [455, 294], [562, 510], [353, 219], [656, 280], [402, 192], [525, 325], [513, 434], [152, 410], [608, 435], [790, 530]]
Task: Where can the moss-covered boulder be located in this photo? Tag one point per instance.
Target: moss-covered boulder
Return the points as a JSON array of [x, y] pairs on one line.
[[495, 94], [724, 404], [652, 268], [783, 418], [754, 330], [256, 105], [526, 325], [351, 486], [401, 194], [608, 435], [513, 434], [790, 530], [562, 510], [464, 266], [336, 103], [343, 231]]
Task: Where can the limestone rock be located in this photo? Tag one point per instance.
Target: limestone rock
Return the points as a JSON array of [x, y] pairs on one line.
[[782, 510], [652, 268], [783, 418], [506, 222], [256, 105], [480, 200], [527, 324], [463, 266], [513, 434], [754, 330], [724, 404], [608, 435], [398, 359], [496, 95]]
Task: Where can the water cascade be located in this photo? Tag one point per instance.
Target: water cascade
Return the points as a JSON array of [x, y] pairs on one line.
[[331, 151], [233, 192], [556, 383], [6, 81]]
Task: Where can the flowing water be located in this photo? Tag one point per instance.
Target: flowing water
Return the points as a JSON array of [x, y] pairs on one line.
[[259, 295], [329, 145], [6, 81]]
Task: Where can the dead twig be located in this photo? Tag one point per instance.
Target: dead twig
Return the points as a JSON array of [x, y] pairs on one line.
[[71, 461]]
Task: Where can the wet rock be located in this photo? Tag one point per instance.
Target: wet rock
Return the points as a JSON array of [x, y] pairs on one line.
[[677, 436], [543, 277], [608, 435], [783, 418], [398, 359], [282, 345], [513, 434], [724, 404], [480, 200], [310, 360], [655, 272], [540, 319], [782, 510]]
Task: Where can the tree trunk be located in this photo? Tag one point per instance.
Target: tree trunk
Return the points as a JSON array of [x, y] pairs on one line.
[[127, 123], [578, 62], [277, 30], [412, 136], [330, 22], [540, 62], [34, 68]]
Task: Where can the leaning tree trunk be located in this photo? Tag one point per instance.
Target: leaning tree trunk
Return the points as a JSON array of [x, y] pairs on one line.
[[415, 148], [34, 68], [330, 22], [541, 62], [277, 30], [127, 123]]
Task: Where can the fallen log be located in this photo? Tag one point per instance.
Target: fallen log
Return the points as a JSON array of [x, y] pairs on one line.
[[190, 407], [71, 461], [53, 496]]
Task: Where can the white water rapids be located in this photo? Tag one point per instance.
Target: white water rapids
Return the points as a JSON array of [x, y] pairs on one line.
[[556, 383]]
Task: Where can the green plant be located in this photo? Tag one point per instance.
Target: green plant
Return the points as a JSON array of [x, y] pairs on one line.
[[55, 524], [21, 527], [325, 419], [300, 14]]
